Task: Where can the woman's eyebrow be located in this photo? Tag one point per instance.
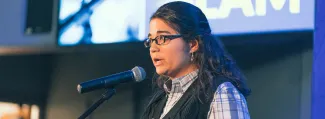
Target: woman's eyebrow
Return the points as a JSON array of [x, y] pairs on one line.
[[163, 32], [159, 32]]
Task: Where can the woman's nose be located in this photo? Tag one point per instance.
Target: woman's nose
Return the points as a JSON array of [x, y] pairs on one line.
[[154, 47]]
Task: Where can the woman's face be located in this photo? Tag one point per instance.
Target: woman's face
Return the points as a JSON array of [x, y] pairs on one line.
[[172, 59]]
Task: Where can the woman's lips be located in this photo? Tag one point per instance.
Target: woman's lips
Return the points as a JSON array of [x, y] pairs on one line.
[[157, 61]]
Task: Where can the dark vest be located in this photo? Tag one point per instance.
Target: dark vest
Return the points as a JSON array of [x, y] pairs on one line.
[[189, 106]]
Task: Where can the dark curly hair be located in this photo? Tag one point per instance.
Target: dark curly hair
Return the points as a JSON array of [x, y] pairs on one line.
[[211, 57]]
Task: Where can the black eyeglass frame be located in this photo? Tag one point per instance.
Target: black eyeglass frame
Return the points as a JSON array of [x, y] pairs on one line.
[[148, 41]]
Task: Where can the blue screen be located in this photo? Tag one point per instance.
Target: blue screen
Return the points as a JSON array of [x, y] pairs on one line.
[[100, 21], [112, 21]]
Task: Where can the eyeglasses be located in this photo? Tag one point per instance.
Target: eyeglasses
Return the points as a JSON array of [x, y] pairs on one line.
[[160, 40]]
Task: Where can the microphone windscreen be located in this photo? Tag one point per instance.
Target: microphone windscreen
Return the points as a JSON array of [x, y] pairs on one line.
[[139, 73]]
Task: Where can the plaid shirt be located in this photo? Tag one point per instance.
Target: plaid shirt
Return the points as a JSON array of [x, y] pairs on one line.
[[227, 103]]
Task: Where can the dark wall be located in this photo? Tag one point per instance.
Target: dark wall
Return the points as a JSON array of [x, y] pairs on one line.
[[278, 68], [25, 79]]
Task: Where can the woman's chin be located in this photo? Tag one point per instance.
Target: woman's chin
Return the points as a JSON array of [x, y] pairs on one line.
[[160, 71]]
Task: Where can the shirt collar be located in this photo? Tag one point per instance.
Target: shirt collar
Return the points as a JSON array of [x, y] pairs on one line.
[[181, 84]]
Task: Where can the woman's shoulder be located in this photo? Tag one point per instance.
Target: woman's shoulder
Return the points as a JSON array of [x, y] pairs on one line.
[[226, 87], [233, 103], [228, 93]]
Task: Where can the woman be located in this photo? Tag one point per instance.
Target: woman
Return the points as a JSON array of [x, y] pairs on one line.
[[197, 79]]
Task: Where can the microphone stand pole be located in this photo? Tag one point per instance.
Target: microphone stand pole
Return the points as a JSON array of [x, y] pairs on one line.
[[105, 96]]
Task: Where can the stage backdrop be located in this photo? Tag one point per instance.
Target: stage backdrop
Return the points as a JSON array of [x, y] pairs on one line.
[[112, 21]]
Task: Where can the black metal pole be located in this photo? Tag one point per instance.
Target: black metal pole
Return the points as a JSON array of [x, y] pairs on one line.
[[105, 96]]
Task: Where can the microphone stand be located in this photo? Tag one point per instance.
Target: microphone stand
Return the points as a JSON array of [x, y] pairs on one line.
[[105, 96]]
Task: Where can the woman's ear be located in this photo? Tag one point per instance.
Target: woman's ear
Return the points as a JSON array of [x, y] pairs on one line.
[[194, 45]]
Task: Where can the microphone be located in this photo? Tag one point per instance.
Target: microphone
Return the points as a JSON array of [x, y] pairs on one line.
[[137, 74]]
